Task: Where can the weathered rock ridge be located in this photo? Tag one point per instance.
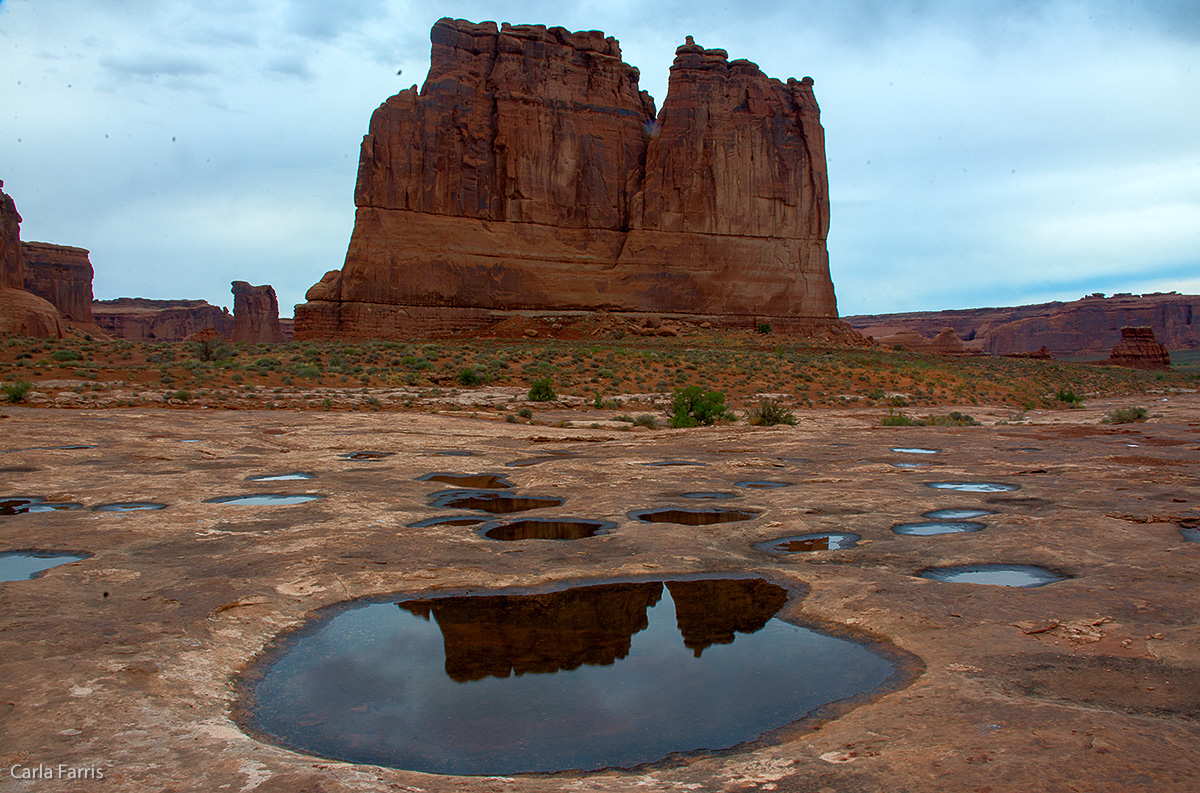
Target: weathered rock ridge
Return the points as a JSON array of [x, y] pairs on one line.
[[61, 275], [12, 269], [141, 319], [1138, 348], [256, 314], [21, 312], [1090, 326], [530, 174]]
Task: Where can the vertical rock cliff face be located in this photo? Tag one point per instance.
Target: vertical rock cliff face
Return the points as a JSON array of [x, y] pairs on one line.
[[531, 174], [61, 275], [12, 269], [141, 319], [256, 314]]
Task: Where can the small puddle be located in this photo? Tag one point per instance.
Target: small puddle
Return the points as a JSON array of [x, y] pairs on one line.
[[280, 477], [955, 514], [909, 465], [915, 450], [456, 453], [973, 487], [1026, 449], [670, 463], [807, 543], [487, 501], [473, 481], [278, 499], [24, 565], [20, 505], [708, 494], [448, 520], [548, 529], [128, 506], [548, 457], [1012, 575], [761, 484], [694, 517], [930, 528], [1190, 535], [50, 448], [360, 456], [583, 678]]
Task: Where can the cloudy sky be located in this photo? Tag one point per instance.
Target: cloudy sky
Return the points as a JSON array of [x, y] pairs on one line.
[[981, 152]]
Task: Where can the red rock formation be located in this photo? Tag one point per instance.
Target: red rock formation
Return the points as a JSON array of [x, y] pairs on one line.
[[1090, 326], [21, 313], [530, 174], [1139, 349], [140, 319], [256, 314], [12, 270], [61, 275], [946, 342]]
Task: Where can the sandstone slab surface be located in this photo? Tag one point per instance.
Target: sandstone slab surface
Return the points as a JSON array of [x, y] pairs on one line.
[[129, 661]]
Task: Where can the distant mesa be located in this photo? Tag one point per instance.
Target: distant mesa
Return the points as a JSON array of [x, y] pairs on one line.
[[1087, 327], [142, 319], [1139, 349], [530, 175]]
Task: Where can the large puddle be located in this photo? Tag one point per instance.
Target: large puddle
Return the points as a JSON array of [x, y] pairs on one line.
[[761, 484], [257, 499], [488, 501], [957, 514], [694, 517], [608, 675], [448, 520], [930, 528], [23, 565], [475, 481], [548, 529], [973, 487], [1014, 575], [20, 505], [808, 543], [129, 506]]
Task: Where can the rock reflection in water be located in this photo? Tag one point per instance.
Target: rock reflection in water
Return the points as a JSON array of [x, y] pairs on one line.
[[23, 565], [808, 543], [583, 678]]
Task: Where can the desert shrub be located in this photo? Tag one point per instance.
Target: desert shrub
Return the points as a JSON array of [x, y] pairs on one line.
[[646, 420], [511, 419], [66, 355], [183, 395], [542, 390], [764, 328], [469, 377], [525, 413], [1069, 397], [768, 413], [953, 419], [898, 419], [15, 392], [1125, 415], [624, 417], [211, 349], [307, 371], [693, 406]]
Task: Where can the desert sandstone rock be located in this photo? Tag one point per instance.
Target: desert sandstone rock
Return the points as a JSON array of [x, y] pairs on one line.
[[1090, 326], [141, 319], [530, 174], [12, 270], [61, 275], [21, 313], [1138, 348], [256, 314]]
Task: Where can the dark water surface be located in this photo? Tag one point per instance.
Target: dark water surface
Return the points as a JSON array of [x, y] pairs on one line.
[[1015, 575], [23, 565], [807, 543], [583, 678]]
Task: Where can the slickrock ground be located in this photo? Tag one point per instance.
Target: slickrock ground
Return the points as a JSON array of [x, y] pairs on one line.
[[129, 661]]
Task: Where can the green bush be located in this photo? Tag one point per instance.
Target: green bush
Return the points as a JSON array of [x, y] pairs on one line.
[[768, 413], [15, 392], [898, 419], [1125, 415], [66, 355], [525, 413], [953, 419], [211, 349], [469, 377], [693, 406], [511, 419], [764, 328], [542, 390], [1069, 397], [646, 420]]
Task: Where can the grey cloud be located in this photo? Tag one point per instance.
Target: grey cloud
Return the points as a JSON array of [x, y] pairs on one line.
[[155, 65]]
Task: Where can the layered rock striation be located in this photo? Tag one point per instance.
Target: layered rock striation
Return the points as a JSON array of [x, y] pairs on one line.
[[1139, 349], [530, 174], [141, 319], [22, 313], [256, 314], [1089, 326], [61, 275]]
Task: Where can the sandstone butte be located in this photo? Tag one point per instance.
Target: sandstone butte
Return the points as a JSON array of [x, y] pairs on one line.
[[256, 314], [21, 311], [1138, 348], [61, 275], [530, 174]]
